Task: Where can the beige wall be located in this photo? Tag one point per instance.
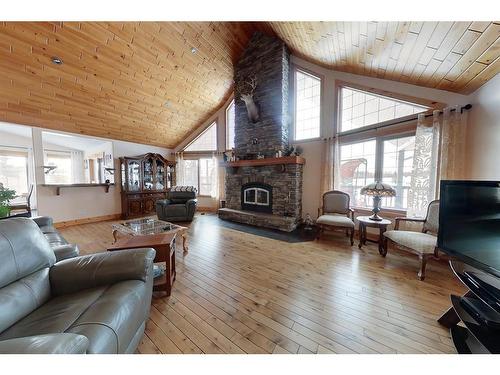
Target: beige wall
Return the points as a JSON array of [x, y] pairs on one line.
[[483, 133]]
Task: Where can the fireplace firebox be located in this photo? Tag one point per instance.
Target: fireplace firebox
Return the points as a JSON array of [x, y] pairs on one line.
[[257, 197]]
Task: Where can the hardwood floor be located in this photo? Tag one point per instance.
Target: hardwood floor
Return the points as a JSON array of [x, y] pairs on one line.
[[241, 293]]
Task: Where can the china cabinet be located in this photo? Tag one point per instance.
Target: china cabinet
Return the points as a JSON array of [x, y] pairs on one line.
[[144, 180]]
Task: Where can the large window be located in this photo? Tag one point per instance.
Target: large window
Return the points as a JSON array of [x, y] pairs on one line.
[[397, 164], [230, 121], [360, 109], [14, 171], [357, 169], [387, 159], [200, 174], [367, 154], [191, 173], [206, 141], [307, 106]]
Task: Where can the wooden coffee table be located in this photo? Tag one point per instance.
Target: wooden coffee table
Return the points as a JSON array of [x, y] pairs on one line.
[[164, 244]]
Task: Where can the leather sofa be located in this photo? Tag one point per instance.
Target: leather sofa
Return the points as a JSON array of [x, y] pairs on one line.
[[62, 249], [179, 206], [90, 304]]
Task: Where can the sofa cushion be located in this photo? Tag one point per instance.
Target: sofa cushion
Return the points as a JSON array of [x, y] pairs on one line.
[[55, 316], [23, 250], [113, 319], [20, 298], [335, 220], [422, 243]]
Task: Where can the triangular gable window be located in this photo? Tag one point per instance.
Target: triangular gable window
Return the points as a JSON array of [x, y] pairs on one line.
[[206, 141], [360, 109]]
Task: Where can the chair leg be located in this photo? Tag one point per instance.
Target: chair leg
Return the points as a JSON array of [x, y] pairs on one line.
[[423, 264], [436, 253], [318, 235], [352, 236]]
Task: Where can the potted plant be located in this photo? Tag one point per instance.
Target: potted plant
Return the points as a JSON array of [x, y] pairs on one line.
[[5, 196]]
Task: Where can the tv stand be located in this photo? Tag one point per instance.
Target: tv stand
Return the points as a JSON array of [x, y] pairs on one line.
[[478, 310]]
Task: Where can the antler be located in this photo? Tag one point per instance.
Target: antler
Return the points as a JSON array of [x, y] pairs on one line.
[[251, 83]]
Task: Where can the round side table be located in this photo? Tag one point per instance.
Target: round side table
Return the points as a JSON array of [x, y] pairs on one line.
[[364, 222]]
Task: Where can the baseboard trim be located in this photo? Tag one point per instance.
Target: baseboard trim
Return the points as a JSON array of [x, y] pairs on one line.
[[87, 220]]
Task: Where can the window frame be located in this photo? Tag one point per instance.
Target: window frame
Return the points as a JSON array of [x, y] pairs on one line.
[[197, 158], [232, 103], [293, 96], [379, 160], [400, 127], [380, 124], [213, 123]]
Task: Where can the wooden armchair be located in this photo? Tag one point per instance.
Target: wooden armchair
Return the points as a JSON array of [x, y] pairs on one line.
[[424, 243], [335, 213]]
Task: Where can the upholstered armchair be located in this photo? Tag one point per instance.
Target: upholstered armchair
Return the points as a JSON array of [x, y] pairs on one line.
[[336, 214], [424, 243], [180, 204]]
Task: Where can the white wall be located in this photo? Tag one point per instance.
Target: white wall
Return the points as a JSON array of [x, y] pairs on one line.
[[483, 133]]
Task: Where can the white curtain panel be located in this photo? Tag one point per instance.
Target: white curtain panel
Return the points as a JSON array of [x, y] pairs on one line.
[[439, 155], [179, 172], [453, 133], [214, 177], [331, 166]]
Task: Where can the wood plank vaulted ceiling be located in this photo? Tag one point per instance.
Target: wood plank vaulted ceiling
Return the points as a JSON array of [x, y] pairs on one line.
[[140, 81]]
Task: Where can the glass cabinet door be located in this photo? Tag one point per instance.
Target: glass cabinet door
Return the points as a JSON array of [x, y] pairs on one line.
[[122, 171], [169, 177], [134, 175], [160, 175], [148, 183]]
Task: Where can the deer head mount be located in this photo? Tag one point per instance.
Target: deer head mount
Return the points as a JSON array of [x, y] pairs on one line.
[[246, 90]]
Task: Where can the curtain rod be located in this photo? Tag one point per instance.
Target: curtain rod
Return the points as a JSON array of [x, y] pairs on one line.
[[465, 107]]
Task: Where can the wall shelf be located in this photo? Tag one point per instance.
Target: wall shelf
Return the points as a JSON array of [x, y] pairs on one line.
[[59, 186]]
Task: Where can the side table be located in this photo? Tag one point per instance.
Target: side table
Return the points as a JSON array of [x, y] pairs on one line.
[[364, 222], [164, 244]]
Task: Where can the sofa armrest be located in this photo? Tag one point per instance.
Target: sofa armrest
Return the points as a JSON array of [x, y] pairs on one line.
[[163, 202], [68, 251], [191, 202], [89, 271], [57, 343], [44, 221]]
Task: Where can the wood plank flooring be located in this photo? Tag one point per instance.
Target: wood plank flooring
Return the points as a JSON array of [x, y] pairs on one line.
[[241, 293]]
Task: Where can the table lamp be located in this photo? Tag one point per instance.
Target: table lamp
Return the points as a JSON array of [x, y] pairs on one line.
[[378, 190]]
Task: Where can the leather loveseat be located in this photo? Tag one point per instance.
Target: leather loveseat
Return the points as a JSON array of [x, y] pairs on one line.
[[180, 205], [90, 304], [62, 249]]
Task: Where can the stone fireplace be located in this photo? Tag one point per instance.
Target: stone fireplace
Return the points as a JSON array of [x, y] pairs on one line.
[[265, 191]]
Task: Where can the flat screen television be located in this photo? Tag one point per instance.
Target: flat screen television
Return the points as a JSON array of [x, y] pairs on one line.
[[469, 223]]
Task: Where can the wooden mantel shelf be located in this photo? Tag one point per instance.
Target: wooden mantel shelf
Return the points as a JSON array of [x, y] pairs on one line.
[[59, 186], [267, 161]]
